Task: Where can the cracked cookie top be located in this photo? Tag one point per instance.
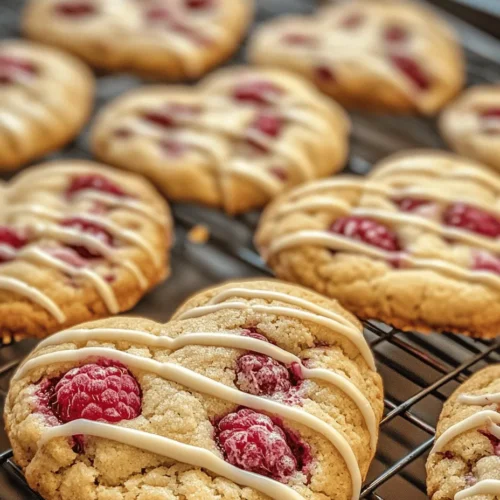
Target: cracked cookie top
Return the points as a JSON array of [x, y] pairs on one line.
[[255, 389]]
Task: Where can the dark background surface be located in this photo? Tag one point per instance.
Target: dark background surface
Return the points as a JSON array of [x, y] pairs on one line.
[[419, 371]]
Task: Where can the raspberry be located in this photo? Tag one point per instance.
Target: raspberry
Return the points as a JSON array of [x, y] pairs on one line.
[[395, 34], [484, 261], [280, 173], [12, 69], [410, 204], [412, 70], [473, 219], [268, 123], [368, 231], [324, 74], [92, 229], [173, 148], [352, 20], [493, 113], [104, 390], [199, 4], [257, 92], [253, 442], [95, 182], [158, 14], [169, 116], [76, 9], [12, 240], [254, 334], [495, 442], [67, 255], [299, 39]]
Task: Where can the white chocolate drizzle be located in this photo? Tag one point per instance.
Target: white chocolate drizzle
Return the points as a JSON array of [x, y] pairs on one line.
[[231, 341], [181, 452], [313, 313], [199, 383], [488, 418]]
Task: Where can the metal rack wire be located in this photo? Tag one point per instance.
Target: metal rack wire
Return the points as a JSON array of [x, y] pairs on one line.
[[420, 371]]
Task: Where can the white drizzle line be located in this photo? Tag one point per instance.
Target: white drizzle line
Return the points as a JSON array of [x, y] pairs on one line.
[[180, 375], [225, 340], [103, 288], [352, 334], [480, 400], [181, 452], [485, 417], [340, 243], [20, 287], [484, 487]]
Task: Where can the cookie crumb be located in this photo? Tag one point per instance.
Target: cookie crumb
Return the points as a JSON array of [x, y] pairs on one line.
[[199, 234]]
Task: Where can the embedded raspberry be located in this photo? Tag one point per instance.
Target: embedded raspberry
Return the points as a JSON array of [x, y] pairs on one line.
[[269, 124], [257, 92], [199, 4], [411, 204], [484, 261], [76, 9], [395, 34], [158, 14], [253, 333], [91, 228], [299, 39], [368, 231], [104, 391], [10, 241], [253, 442], [171, 115], [324, 74], [280, 173], [353, 20], [13, 69], [412, 70], [95, 182], [473, 219], [495, 442], [261, 375], [491, 113], [173, 148], [68, 256]]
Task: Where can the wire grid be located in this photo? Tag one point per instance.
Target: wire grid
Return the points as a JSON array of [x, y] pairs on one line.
[[420, 372]]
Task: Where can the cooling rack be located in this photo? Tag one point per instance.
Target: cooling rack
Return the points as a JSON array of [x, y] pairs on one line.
[[420, 371]]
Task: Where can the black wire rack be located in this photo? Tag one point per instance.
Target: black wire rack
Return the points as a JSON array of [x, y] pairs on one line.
[[420, 371]]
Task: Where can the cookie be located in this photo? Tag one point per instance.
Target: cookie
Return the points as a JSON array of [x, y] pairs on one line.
[[465, 461], [161, 38], [78, 241], [236, 141], [414, 245], [370, 54], [471, 124], [36, 85], [255, 390]]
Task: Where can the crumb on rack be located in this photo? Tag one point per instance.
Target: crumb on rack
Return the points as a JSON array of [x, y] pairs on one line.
[[199, 234]]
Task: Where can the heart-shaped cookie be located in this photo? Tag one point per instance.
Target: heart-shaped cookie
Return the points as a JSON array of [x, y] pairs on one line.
[[36, 85], [381, 55], [235, 141], [415, 245], [174, 39], [78, 241]]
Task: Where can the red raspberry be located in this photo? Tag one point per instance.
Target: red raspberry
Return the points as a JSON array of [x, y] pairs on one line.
[[491, 113], [253, 333], [412, 70], [366, 230], [495, 442], [199, 4], [268, 123], [299, 39], [173, 148], [257, 92], [169, 116], [280, 173], [410, 204], [12, 69], [95, 182], [473, 219], [325, 74], [104, 390], [484, 261], [76, 9], [13, 240], [395, 34], [68, 256], [92, 229], [158, 14], [253, 442]]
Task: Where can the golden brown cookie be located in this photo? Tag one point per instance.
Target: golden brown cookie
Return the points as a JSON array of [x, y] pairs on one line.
[[173, 39], [78, 241], [381, 55], [465, 461], [236, 141], [256, 390], [416, 244], [471, 124], [36, 85]]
